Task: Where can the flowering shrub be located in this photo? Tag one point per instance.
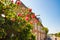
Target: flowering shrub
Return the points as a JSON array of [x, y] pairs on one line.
[[15, 24]]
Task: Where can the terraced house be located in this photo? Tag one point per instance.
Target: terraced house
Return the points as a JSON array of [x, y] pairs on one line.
[[37, 30]]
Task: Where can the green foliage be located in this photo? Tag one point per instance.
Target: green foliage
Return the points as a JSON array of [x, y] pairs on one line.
[[45, 29], [13, 27], [57, 34]]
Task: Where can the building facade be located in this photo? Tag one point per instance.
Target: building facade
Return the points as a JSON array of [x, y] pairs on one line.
[[37, 29]]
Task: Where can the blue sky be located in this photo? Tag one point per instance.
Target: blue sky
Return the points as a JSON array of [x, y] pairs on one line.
[[49, 11]]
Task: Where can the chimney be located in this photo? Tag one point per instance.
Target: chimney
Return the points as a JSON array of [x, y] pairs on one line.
[[17, 0], [21, 4]]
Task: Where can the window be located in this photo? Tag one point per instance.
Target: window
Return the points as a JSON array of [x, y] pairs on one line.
[[35, 26]]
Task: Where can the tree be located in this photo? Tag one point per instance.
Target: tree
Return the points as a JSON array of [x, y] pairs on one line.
[[45, 29], [57, 34], [15, 25]]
